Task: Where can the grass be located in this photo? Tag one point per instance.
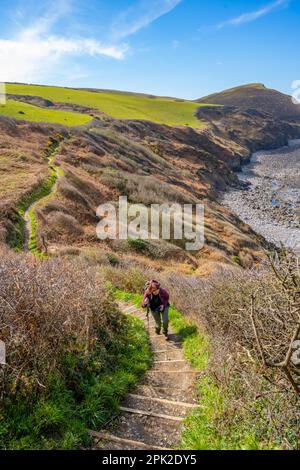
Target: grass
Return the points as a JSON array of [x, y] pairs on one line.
[[28, 112], [38, 194], [201, 431], [119, 105], [85, 395]]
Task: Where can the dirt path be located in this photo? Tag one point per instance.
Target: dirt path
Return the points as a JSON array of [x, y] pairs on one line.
[[152, 417]]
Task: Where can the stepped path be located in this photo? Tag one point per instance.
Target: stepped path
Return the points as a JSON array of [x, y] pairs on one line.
[[152, 417]]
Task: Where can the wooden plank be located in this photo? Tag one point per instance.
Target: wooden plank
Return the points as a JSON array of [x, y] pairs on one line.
[[170, 342], [149, 413], [185, 371], [119, 440], [169, 362], [164, 401]]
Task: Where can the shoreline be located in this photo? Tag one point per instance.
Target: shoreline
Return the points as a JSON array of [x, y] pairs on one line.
[[268, 197]]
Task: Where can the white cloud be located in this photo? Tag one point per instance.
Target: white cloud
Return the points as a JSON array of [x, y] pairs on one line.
[[254, 15], [31, 58], [35, 52], [140, 15]]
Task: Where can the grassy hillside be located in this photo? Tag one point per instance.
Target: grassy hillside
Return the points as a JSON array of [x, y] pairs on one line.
[[259, 97], [168, 111], [18, 110]]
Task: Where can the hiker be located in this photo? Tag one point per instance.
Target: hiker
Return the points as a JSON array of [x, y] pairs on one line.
[[157, 299]]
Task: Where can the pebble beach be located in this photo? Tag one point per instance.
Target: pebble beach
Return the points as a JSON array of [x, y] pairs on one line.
[[268, 197]]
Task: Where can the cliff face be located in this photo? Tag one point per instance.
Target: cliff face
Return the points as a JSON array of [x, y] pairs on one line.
[[249, 129]]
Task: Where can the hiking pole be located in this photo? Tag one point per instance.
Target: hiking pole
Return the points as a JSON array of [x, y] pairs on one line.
[[148, 319]]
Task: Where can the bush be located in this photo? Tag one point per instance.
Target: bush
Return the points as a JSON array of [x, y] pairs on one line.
[[47, 310], [71, 355]]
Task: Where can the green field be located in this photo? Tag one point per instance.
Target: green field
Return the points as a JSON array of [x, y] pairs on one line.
[[119, 105], [18, 110]]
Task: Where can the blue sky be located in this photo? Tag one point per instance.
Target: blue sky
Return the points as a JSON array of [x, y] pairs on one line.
[[184, 48]]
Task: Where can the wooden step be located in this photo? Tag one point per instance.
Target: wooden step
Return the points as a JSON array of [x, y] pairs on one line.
[[170, 361], [149, 413], [160, 371], [164, 401], [168, 354], [163, 392], [119, 440]]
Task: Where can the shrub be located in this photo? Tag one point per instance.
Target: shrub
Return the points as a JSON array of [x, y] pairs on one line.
[[48, 309], [138, 244]]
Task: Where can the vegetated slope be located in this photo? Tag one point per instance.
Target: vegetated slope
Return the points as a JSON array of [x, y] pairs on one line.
[[101, 164], [150, 163], [118, 105], [257, 96], [28, 112]]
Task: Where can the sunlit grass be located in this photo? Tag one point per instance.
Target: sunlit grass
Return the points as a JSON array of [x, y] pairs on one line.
[[28, 112], [120, 105]]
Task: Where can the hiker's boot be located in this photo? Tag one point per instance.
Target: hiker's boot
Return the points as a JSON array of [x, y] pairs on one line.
[[166, 334], [157, 331]]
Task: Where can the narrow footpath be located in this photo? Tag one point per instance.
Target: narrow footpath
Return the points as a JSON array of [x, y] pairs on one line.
[[29, 217], [152, 417]]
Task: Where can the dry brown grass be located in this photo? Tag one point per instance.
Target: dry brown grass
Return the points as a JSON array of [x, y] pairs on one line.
[[22, 167], [150, 164], [48, 310], [157, 167]]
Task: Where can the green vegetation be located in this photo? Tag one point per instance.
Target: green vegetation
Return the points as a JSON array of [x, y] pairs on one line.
[[28, 112], [85, 395], [43, 190], [138, 244], [32, 242], [16, 236], [119, 105]]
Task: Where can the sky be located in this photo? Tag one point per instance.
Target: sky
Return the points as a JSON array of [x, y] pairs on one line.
[[180, 48]]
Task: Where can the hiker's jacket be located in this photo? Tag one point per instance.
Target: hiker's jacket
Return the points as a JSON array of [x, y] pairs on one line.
[[163, 295]]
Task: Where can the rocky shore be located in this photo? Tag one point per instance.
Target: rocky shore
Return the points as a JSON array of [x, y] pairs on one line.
[[268, 196]]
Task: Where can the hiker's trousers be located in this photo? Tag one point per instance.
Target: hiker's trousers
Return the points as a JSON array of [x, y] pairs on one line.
[[162, 318]]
